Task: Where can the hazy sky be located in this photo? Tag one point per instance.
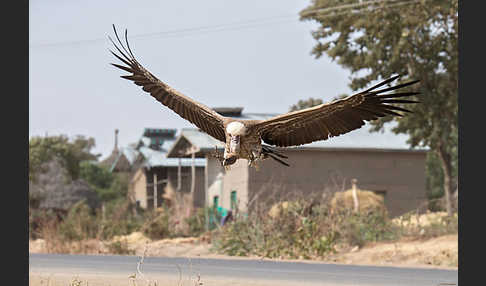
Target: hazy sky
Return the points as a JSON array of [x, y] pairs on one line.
[[254, 54]]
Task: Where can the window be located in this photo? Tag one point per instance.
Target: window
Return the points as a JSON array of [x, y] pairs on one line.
[[233, 199]]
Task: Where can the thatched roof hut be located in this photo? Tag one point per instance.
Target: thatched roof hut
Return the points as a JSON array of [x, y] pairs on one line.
[[120, 159], [53, 189]]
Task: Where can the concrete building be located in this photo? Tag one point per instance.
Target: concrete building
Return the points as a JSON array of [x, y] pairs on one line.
[[381, 162], [147, 163]]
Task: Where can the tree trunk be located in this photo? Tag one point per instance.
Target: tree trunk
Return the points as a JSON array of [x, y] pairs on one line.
[[445, 159]]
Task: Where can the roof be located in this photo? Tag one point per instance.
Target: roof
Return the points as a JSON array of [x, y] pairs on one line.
[[156, 158], [359, 139], [364, 139], [160, 132], [130, 153]]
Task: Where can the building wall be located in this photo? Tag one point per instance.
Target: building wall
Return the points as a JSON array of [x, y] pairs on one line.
[[215, 180], [144, 192], [138, 187], [236, 179], [398, 174], [199, 188]]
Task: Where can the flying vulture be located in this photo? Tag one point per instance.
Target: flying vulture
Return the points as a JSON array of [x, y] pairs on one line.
[[243, 138]]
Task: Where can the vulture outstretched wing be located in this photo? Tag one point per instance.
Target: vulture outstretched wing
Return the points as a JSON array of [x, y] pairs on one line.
[[335, 118], [202, 116]]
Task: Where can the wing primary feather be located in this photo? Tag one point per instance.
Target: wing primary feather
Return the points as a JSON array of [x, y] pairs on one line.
[[123, 67], [393, 113], [274, 151], [396, 108], [399, 101], [382, 83], [132, 77], [127, 60], [392, 95], [396, 87], [278, 160], [128, 45], [121, 44]]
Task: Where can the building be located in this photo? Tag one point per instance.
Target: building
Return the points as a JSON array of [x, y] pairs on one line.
[[185, 175], [123, 159], [381, 162]]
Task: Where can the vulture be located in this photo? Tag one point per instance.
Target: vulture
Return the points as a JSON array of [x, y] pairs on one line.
[[244, 138]]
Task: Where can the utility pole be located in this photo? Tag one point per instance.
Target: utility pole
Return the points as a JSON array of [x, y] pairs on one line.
[[179, 183], [193, 174], [155, 191]]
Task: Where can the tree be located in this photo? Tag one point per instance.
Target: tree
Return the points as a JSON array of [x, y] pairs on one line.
[[70, 152], [109, 186], [301, 104], [416, 39]]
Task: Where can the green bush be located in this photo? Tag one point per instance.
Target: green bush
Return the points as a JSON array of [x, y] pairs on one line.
[[197, 222], [300, 230], [360, 228], [156, 225], [80, 223], [118, 219]]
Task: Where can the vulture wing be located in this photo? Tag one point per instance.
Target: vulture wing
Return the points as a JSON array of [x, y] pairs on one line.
[[202, 116], [335, 118]]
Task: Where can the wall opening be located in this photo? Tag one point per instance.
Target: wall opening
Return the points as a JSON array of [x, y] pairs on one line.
[[233, 200], [215, 201]]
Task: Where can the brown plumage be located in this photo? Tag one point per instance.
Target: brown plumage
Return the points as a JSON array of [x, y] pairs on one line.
[[243, 138]]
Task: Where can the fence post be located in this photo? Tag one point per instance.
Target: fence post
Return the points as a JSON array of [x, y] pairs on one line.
[[355, 195]]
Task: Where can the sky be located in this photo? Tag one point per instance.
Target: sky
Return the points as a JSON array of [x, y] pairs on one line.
[[252, 54]]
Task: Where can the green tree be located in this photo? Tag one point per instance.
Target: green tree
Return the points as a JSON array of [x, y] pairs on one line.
[[70, 152], [301, 104], [416, 39], [109, 186]]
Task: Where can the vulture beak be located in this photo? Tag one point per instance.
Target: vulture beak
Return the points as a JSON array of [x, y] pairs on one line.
[[235, 144], [229, 161]]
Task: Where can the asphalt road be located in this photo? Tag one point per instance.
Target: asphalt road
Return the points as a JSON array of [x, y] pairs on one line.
[[228, 271]]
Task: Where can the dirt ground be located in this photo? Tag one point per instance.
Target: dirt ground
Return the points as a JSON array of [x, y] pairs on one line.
[[439, 252]]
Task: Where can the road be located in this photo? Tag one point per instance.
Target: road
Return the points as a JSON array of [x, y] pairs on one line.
[[115, 270]]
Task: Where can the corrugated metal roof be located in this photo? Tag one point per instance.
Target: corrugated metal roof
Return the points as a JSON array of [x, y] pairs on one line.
[[130, 153], [201, 139], [155, 158]]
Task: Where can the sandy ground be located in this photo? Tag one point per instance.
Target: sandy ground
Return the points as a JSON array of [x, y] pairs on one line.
[[439, 252]]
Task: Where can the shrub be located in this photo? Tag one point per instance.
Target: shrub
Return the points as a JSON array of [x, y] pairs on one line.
[[119, 247], [118, 219], [427, 225], [80, 223], [300, 229], [197, 222], [156, 224]]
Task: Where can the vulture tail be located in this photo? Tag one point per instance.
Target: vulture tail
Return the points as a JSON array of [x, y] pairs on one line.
[[275, 154]]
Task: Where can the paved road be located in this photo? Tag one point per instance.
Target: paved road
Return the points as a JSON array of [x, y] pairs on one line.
[[238, 271]]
